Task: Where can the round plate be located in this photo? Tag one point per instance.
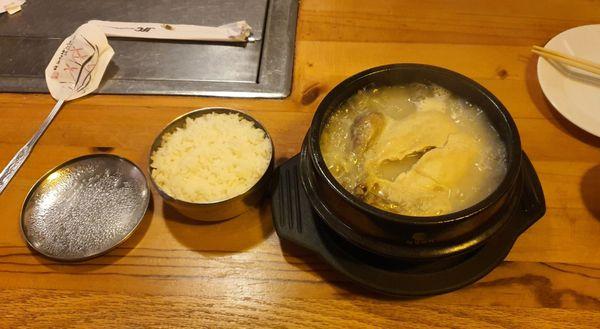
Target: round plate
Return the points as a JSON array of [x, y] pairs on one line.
[[573, 92], [84, 207]]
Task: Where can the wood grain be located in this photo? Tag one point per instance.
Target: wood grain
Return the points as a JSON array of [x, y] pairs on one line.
[[174, 273]]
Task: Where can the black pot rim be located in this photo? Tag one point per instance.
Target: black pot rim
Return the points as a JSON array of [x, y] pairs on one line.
[[513, 147]]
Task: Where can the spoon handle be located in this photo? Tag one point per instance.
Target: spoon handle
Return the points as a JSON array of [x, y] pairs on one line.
[[17, 161]]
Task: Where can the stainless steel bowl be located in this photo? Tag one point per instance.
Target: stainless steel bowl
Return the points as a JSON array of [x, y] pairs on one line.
[[220, 210]]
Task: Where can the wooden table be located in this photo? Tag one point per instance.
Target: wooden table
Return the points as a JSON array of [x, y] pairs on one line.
[[238, 273]]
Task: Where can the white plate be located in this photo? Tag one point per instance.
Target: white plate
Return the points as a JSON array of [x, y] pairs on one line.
[[573, 92]]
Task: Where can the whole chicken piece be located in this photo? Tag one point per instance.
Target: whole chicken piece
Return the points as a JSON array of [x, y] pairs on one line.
[[365, 129]]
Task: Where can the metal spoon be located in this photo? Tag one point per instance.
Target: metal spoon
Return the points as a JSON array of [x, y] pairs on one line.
[[17, 161], [75, 71]]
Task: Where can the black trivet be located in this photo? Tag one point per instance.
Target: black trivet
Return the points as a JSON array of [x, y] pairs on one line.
[[294, 220]]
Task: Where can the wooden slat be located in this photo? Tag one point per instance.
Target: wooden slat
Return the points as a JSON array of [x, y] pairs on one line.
[[446, 22]]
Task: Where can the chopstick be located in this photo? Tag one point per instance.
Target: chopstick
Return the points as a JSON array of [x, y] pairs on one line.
[[567, 59]]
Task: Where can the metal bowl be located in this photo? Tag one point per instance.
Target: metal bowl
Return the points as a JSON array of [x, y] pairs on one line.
[[219, 210]]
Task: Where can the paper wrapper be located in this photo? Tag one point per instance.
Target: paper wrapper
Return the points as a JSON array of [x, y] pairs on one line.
[[79, 63], [11, 6], [234, 32]]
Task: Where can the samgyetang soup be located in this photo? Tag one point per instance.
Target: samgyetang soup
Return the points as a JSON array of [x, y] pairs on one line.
[[413, 149]]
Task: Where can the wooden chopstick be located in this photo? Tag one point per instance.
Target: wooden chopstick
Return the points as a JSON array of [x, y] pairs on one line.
[[567, 59]]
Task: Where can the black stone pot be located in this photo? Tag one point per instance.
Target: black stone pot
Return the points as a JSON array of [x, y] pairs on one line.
[[406, 237]]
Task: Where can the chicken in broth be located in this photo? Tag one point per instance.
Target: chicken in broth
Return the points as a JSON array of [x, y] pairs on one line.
[[413, 149]]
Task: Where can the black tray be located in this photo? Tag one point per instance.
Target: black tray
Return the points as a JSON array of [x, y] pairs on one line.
[[294, 220], [263, 68]]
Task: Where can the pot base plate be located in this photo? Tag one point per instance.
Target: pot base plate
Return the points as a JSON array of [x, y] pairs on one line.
[[295, 220]]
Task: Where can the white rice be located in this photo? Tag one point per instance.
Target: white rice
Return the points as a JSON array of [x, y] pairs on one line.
[[215, 157]]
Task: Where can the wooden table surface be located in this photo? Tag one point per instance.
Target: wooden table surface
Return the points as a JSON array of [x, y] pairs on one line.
[[238, 273]]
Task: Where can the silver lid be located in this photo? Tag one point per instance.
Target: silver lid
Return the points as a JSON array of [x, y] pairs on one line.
[[84, 207]]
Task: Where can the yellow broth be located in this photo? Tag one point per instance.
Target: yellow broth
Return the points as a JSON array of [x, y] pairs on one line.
[[413, 149]]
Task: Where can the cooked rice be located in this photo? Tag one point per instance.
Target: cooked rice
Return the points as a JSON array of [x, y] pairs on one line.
[[214, 157]]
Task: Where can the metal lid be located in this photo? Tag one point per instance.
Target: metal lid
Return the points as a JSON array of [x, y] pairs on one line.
[[84, 207]]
